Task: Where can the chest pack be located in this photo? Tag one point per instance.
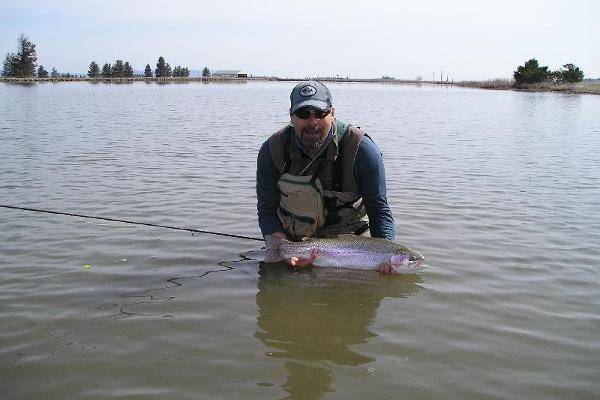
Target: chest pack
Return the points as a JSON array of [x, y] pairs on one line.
[[301, 206]]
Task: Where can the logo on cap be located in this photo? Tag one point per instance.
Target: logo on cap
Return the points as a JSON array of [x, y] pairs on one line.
[[307, 91]]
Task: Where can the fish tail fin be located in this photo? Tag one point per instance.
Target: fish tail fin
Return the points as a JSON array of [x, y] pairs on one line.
[[272, 252]]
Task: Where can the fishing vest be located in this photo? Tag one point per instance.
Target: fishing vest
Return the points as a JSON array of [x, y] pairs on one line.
[[324, 201]]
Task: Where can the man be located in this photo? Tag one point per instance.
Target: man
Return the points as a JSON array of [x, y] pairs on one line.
[[320, 177]]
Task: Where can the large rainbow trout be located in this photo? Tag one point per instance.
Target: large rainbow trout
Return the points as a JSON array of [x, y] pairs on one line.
[[350, 251]]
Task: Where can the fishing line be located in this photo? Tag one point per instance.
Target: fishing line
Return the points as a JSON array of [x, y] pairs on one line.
[[323, 147], [129, 222]]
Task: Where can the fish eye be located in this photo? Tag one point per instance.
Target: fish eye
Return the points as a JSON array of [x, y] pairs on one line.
[[414, 258]]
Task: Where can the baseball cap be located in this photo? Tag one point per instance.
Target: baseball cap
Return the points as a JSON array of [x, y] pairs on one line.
[[310, 94]]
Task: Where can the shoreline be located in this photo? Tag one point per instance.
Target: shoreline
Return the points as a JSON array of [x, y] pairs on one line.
[[496, 84], [503, 84]]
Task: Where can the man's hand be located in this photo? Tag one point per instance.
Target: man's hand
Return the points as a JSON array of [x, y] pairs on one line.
[[296, 262]]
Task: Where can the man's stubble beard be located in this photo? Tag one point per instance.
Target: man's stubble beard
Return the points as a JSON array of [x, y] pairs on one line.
[[312, 145]]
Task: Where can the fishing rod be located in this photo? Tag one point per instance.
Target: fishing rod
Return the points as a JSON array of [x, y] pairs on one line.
[[38, 210]]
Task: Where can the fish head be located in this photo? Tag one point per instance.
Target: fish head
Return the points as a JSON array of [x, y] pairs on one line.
[[407, 261]]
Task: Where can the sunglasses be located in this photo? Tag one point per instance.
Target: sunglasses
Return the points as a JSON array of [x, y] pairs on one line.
[[305, 113]]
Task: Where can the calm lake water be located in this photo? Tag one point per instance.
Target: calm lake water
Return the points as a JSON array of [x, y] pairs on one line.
[[499, 190]]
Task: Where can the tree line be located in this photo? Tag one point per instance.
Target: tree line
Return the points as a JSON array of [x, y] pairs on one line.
[[532, 72], [122, 69], [23, 63]]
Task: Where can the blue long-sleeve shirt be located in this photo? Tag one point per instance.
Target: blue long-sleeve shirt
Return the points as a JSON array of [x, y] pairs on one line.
[[369, 174]]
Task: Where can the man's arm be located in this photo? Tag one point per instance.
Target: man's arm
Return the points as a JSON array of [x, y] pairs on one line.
[[267, 193], [369, 173]]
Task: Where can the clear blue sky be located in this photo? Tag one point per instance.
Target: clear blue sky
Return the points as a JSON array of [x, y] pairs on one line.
[[469, 39]]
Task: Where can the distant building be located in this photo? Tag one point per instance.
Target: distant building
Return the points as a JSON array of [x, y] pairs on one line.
[[229, 73]]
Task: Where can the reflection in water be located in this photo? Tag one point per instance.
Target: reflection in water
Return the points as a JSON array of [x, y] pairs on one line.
[[315, 317]]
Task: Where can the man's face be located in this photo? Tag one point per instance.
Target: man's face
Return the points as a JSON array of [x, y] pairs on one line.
[[311, 126]]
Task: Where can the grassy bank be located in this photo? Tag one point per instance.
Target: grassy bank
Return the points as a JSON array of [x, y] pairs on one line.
[[505, 84]]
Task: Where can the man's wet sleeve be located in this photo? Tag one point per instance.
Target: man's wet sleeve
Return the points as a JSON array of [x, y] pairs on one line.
[[369, 173]]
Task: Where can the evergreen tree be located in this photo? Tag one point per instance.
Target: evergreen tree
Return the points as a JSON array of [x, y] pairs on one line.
[[205, 72], [161, 68], [94, 70], [128, 69], [54, 73], [168, 70], [177, 71], [185, 72], [148, 71], [569, 73], [26, 56], [41, 72], [118, 69], [10, 65], [22, 63], [106, 70], [531, 72]]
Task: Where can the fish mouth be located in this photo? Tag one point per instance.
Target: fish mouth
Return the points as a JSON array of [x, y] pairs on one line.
[[417, 259], [418, 263], [408, 258]]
